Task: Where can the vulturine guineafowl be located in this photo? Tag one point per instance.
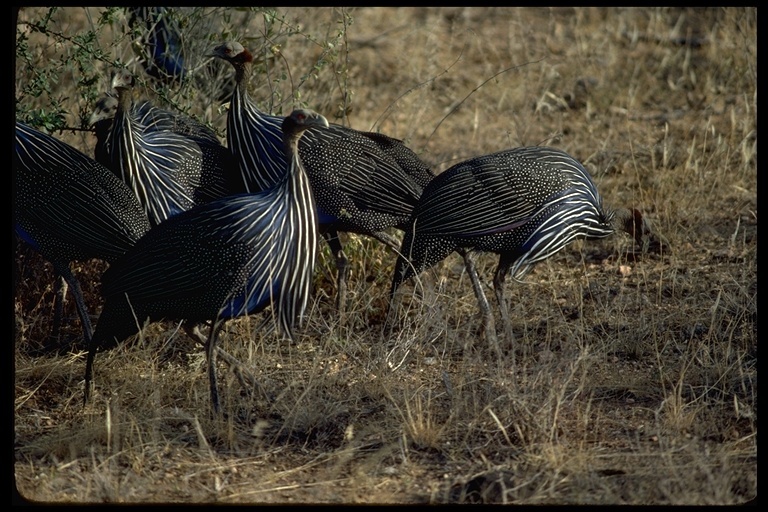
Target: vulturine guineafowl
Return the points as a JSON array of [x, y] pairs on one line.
[[524, 204], [162, 168], [233, 256], [69, 207], [363, 182], [219, 174]]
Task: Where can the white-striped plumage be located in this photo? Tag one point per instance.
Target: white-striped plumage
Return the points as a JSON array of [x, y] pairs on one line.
[[73, 206], [255, 140], [227, 258], [363, 182], [219, 175], [161, 167], [524, 204], [529, 201], [69, 207]]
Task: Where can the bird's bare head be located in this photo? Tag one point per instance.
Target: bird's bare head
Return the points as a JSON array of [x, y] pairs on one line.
[[105, 108], [123, 79], [632, 221], [303, 118], [232, 52]]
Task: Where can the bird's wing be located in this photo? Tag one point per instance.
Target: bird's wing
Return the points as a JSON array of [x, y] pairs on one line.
[[403, 156], [351, 173], [188, 255], [76, 198], [485, 195], [171, 168]]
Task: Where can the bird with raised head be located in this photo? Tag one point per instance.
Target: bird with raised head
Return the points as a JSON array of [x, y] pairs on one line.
[[364, 182], [161, 167], [230, 257], [219, 174]]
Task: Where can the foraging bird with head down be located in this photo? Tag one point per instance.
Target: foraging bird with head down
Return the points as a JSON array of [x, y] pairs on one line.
[[227, 258], [524, 204]]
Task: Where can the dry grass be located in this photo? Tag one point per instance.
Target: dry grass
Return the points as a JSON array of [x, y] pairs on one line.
[[630, 379]]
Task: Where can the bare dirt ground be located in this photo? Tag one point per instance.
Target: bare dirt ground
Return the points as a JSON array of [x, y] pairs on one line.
[[629, 377]]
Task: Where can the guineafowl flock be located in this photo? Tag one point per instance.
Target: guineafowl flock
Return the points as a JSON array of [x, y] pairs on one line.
[[200, 232]]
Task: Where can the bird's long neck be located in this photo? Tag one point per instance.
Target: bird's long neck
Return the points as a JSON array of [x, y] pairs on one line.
[[242, 77], [122, 131], [254, 137], [124, 102], [632, 221], [304, 213], [298, 181]]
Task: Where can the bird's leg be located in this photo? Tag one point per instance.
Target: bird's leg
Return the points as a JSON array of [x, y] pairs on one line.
[[89, 371], [211, 357], [65, 272], [88, 374], [342, 267], [485, 308], [498, 287], [394, 301], [393, 309], [247, 380], [58, 309]]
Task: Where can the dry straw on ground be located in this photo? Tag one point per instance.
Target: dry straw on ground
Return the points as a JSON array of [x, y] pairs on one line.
[[630, 378]]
